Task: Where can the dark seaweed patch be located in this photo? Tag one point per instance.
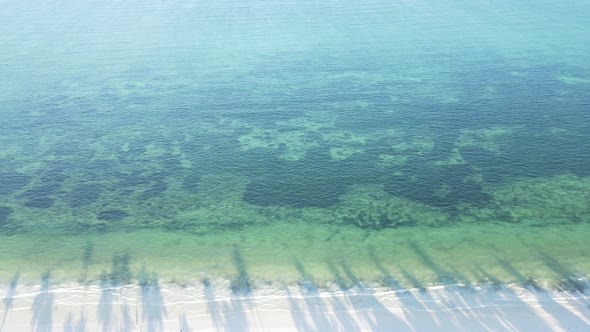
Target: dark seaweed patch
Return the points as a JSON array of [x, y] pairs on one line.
[[101, 165], [294, 192], [5, 212], [112, 215], [11, 182], [133, 179], [83, 195], [440, 186], [191, 182], [155, 190], [43, 190], [479, 156], [56, 118], [56, 171], [41, 202], [170, 163], [316, 181], [157, 176], [134, 150]]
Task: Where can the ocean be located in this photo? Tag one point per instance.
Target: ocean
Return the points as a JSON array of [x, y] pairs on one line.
[[395, 143]]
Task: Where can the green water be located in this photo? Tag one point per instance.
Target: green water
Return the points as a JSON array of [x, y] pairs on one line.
[[285, 253], [417, 142]]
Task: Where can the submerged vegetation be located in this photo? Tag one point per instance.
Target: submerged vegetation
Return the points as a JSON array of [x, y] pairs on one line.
[[230, 173], [376, 147], [373, 208], [216, 202]]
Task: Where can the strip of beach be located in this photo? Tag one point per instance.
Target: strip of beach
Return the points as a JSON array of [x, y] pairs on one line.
[[225, 305], [114, 283]]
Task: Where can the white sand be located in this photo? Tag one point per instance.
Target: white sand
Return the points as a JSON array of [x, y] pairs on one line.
[[293, 308]]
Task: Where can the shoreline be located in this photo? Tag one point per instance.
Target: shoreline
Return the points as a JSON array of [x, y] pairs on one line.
[[465, 278], [217, 306], [288, 252]]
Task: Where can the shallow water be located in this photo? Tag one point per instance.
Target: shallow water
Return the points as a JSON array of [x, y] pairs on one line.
[[417, 142]]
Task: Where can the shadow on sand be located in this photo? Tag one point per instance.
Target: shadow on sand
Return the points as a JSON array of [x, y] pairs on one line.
[[79, 326], [105, 304], [152, 303], [229, 314], [213, 305], [42, 307], [110, 284], [236, 318], [9, 299], [313, 305], [183, 322], [549, 305], [412, 302], [368, 307], [313, 311]]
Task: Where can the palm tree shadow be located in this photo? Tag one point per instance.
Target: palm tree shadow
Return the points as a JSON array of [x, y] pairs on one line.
[[241, 287], [526, 282], [184, 327], [241, 284], [126, 321], [79, 326], [414, 281], [152, 304], [105, 304], [42, 307], [410, 302], [387, 279], [86, 261], [567, 276], [236, 319], [109, 283], [297, 313], [213, 305], [560, 314], [367, 306], [314, 306], [9, 298], [443, 276]]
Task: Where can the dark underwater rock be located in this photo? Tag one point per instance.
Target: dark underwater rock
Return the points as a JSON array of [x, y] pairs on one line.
[[112, 215]]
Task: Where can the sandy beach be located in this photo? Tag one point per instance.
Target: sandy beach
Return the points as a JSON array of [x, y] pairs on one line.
[[154, 307]]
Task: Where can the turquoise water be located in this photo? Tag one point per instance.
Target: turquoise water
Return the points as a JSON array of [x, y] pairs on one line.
[[391, 138]]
